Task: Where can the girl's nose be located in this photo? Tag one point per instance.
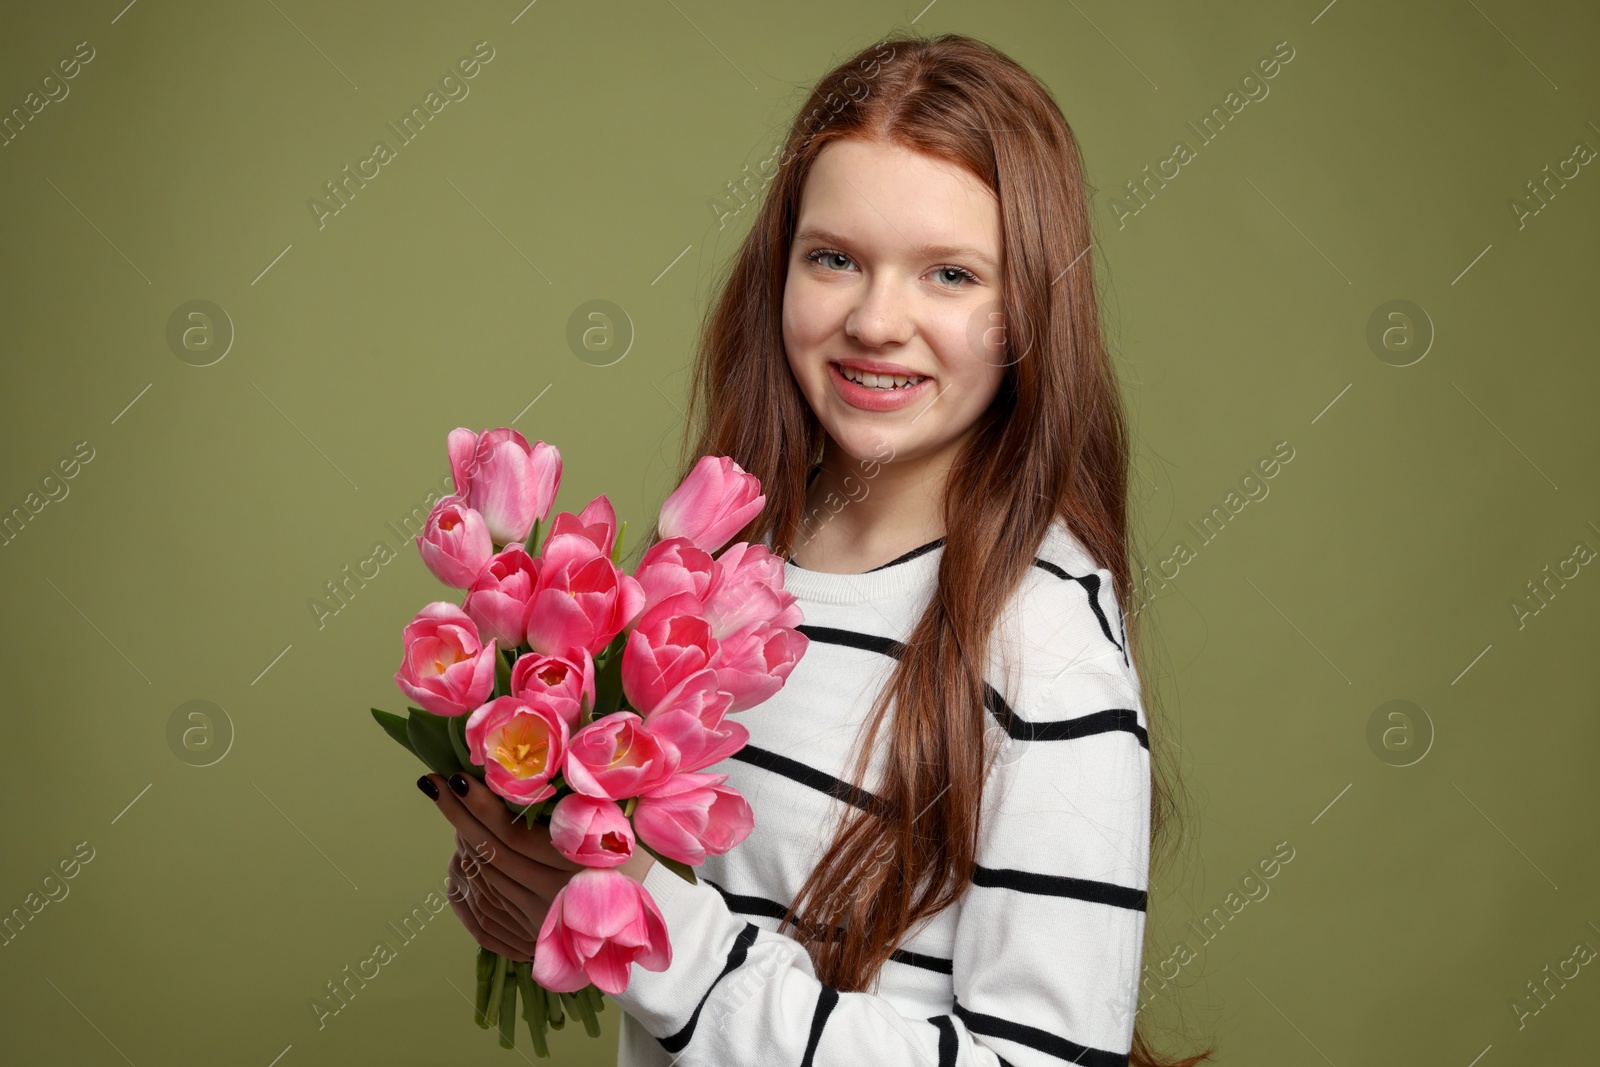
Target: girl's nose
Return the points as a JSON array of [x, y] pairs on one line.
[[882, 316]]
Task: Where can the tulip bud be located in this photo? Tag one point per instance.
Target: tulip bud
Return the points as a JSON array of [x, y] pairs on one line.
[[509, 482], [599, 924], [500, 597], [691, 815], [591, 831], [715, 501], [455, 544]]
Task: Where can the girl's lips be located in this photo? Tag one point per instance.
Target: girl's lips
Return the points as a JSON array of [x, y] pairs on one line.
[[859, 396]]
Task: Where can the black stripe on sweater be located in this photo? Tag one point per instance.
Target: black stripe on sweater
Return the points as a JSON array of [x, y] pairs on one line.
[[926, 962], [1098, 722], [827, 1000], [949, 1043], [751, 905], [736, 957], [1091, 586], [1016, 726], [1040, 1040], [1060, 885], [809, 776], [830, 635]]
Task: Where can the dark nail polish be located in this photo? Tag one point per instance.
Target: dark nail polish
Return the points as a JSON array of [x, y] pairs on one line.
[[458, 783], [428, 788]]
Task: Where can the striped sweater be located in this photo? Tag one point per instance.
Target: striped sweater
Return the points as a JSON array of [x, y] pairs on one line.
[[1037, 964]]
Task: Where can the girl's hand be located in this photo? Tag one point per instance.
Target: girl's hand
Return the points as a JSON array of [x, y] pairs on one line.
[[503, 874]]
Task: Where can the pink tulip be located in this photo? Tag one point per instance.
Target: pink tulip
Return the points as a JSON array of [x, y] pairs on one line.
[[668, 643], [715, 501], [591, 831], [749, 593], [597, 521], [520, 744], [565, 682], [615, 757], [508, 482], [455, 543], [692, 724], [753, 665], [499, 600], [599, 924], [445, 668], [692, 815], [674, 565], [580, 600]]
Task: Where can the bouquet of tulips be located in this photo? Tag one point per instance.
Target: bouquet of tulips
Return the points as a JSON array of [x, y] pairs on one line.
[[589, 698]]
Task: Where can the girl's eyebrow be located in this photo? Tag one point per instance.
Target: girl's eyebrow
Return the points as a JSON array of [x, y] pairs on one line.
[[812, 233]]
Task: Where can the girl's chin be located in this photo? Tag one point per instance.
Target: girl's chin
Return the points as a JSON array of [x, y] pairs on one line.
[[867, 447]]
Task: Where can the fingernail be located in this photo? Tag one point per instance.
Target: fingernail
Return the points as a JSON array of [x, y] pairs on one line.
[[458, 783], [426, 785]]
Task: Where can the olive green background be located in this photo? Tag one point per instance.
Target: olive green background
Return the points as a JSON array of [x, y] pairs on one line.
[[1383, 565]]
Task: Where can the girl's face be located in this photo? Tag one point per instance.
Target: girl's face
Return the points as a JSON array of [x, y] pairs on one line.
[[894, 271]]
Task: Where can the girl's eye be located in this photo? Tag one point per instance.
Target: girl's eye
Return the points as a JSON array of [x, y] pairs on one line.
[[954, 277], [824, 253], [961, 274]]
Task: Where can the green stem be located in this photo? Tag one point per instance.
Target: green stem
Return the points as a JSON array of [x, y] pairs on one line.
[[508, 1010], [497, 987], [485, 976], [533, 1008], [581, 1008], [591, 1001], [570, 1000], [557, 1017]]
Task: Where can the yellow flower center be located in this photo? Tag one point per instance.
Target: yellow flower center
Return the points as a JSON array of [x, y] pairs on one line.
[[519, 751], [456, 655]]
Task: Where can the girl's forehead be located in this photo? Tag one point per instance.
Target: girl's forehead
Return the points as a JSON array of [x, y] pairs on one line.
[[886, 163], [867, 191]]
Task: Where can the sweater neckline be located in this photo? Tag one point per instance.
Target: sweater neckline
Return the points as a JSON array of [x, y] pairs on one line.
[[912, 570]]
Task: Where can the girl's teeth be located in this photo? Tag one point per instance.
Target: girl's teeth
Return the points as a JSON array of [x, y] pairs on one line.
[[879, 381]]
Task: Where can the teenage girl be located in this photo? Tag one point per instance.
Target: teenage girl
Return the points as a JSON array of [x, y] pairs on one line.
[[953, 791]]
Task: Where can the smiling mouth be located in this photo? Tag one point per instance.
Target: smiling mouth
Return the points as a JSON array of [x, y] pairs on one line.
[[885, 382]]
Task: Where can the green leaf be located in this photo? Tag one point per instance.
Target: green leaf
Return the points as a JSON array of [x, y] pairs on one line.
[[532, 543], [395, 727], [457, 728], [502, 676], [430, 740], [608, 685], [616, 548], [677, 867]]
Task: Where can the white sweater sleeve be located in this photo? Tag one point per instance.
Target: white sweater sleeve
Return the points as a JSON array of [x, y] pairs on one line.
[[1047, 943]]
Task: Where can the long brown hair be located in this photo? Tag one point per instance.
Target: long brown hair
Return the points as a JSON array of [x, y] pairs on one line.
[[1052, 445]]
